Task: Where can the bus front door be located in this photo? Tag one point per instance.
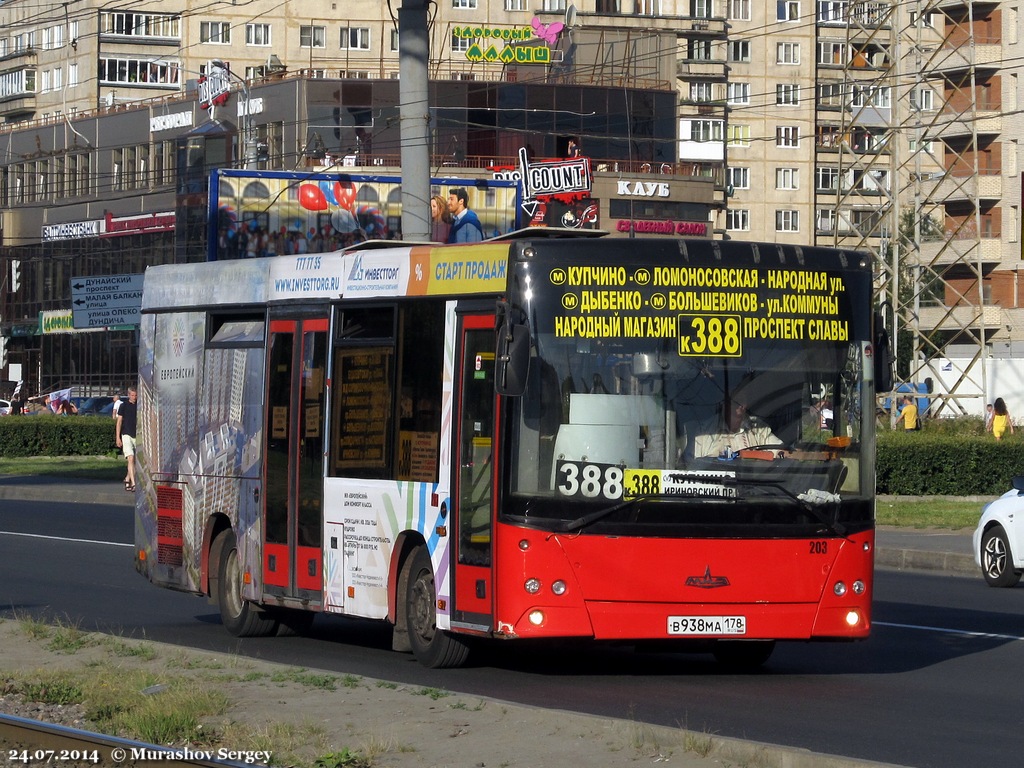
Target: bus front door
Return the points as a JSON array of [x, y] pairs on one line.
[[473, 496], [294, 459]]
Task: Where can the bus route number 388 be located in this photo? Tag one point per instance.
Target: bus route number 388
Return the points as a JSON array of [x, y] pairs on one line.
[[584, 480]]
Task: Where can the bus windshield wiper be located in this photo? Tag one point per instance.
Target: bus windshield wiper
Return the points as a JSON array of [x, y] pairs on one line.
[[812, 502], [592, 517]]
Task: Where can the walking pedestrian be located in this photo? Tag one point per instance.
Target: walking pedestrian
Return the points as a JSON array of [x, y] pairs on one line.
[[1001, 421], [125, 435]]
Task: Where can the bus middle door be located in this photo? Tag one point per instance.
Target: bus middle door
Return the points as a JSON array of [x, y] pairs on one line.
[[294, 459], [473, 499]]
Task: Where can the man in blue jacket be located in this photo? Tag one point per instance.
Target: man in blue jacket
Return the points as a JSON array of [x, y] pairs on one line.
[[466, 226]]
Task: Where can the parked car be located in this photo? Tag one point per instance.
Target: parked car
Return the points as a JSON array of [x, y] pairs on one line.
[[94, 406], [999, 538], [5, 407]]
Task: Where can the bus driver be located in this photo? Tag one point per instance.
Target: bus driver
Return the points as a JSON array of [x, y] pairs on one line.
[[735, 430]]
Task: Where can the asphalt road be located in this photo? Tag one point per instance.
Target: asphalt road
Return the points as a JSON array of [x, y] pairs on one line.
[[933, 687]]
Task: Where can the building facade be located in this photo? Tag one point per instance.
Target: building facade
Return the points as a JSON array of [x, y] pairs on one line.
[[875, 125]]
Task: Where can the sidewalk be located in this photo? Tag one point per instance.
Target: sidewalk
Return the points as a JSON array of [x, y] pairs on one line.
[[913, 549]]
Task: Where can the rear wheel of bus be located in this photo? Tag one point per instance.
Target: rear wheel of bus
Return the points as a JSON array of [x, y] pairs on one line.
[[240, 617], [432, 647]]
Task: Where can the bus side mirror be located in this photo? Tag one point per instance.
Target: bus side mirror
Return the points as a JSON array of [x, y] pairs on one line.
[[882, 356], [513, 358]]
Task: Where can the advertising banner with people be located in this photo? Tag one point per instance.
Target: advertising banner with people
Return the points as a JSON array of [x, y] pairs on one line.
[[274, 213]]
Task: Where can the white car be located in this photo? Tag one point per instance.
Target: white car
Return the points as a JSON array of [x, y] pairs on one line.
[[999, 538], [5, 407]]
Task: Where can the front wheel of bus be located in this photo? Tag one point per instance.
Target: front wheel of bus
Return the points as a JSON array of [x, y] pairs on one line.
[[240, 617], [431, 646], [743, 654]]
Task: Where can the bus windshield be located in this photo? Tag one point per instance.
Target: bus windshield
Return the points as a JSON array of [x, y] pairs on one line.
[[637, 419]]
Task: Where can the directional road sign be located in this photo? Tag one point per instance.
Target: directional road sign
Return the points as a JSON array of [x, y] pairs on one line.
[[105, 300]]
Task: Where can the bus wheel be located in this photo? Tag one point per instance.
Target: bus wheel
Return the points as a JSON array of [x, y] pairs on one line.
[[743, 654], [240, 617], [997, 559], [292, 621], [431, 646]]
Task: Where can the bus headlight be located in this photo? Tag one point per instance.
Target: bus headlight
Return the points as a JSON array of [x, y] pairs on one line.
[[558, 587], [532, 586], [859, 587], [536, 618], [852, 617], [839, 589]]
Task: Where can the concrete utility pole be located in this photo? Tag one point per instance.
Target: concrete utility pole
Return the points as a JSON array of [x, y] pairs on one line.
[[414, 112]]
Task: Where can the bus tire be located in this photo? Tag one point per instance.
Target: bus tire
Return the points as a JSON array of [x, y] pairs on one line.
[[240, 617], [997, 559], [292, 621], [434, 648], [743, 654]]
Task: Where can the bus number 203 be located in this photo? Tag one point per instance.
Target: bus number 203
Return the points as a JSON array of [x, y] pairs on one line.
[[589, 481]]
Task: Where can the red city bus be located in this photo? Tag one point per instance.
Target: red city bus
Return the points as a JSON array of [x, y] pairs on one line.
[[538, 437]]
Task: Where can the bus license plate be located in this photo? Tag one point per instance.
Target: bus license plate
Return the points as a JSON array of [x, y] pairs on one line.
[[707, 625]]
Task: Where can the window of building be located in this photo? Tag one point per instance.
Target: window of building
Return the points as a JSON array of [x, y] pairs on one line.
[[787, 136], [44, 81], [830, 94], [515, 5], [871, 95], [739, 10], [787, 221], [739, 50], [787, 10], [58, 78], [737, 93], [355, 38], [737, 177], [72, 75], [465, 4], [701, 9], [648, 7], [739, 135], [787, 94], [832, 11], [700, 91], [825, 220], [922, 99], [831, 52], [705, 130], [827, 179], [257, 34], [312, 36], [394, 39], [698, 50], [136, 25], [553, 5], [787, 53], [737, 220], [218, 32], [461, 44], [787, 178], [17, 82], [139, 71]]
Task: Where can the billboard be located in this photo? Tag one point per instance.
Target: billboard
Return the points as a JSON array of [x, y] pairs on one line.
[[271, 213]]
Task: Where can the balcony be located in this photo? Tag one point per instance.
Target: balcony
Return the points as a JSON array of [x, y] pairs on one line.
[[985, 118], [949, 59], [986, 185], [694, 68], [967, 249]]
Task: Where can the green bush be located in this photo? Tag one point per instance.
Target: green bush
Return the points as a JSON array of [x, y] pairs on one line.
[[953, 457], [47, 435]]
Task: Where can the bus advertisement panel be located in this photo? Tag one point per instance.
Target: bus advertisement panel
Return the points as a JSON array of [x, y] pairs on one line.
[[572, 437], [279, 213]]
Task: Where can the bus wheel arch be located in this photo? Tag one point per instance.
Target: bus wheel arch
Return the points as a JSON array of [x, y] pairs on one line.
[[240, 617], [433, 647], [213, 544], [398, 575]]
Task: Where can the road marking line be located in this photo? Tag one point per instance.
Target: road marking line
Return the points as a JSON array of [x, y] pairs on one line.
[[64, 538], [992, 635]]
